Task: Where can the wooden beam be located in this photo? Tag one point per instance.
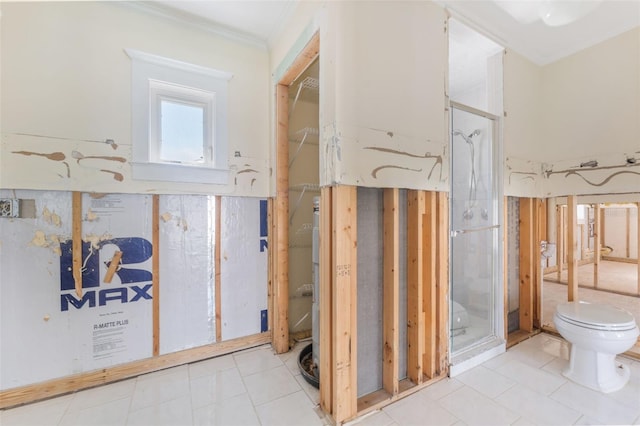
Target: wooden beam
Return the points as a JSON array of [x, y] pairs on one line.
[[628, 232], [527, 261], [218, 265], [597, 244], [415, 313], [429, 281], [281, 238], [560, 232], [327, 366], [442, 284], [344, 304], [308, 54], [55, 387], [391, 291], [76, 240], [540, 226], [505, 269], [155, 267], [113, 267], [572, 248]]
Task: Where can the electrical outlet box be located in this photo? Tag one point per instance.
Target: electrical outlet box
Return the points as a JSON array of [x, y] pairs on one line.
[[9, 207]]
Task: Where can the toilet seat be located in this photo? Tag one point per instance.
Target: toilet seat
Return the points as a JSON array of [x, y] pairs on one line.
[[595, 316]]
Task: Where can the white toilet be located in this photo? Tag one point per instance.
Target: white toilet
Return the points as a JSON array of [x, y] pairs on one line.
[[597, 334]]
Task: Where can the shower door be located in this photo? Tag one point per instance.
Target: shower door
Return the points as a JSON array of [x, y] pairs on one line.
[[475, 202]]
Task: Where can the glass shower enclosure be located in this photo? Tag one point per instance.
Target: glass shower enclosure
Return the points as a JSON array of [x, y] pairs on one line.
[[475, 209]]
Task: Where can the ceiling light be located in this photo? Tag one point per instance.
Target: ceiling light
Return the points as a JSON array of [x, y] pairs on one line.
[[553, 13]]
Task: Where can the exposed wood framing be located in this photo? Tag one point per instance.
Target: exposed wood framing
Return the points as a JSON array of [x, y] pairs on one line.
[[527, 263], [308, 54], [113, 267], [628, 234], [344, 304], [560, 236], [429, 280], [415, 312], [217, 266], [597, 243], [442, 285], [391, 291], [155, 270], [327, 366], [540, 226], [281, 214], [505, 269], [279, 314], [48, 389], [572, 248], [76, 240]]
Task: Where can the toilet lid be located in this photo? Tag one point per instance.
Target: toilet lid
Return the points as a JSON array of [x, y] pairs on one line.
[[596, 316]]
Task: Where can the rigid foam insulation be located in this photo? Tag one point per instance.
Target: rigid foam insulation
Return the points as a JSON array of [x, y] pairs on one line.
[[243, 266], [187, 293], [48, 332], [370, 290]]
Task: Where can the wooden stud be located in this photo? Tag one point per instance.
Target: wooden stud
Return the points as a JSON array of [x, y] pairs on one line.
[[51, 388], [597, 244], [76, 242], [113, 267], [281, 214], [217, 265], [325, 301], [155, 266], [572, 248], [391, 291], [415, 313], [308, 54], [628, 233], [344, 306], [505, 269], [442, 284], [429, 280], [540, 226], [527, 260], [560, 230]]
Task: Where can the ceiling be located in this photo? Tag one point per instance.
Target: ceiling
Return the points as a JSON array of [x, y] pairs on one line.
[[260, 21]]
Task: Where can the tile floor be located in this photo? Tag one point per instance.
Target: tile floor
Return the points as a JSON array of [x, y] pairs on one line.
[[523, 386]]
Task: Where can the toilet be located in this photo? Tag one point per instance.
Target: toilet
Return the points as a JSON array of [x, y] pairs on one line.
[[597, 333]]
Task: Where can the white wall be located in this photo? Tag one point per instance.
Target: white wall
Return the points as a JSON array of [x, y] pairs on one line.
[[66, 84], [382, 80], [581, 108]]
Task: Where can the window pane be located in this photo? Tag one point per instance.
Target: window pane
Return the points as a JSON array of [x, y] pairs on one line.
[[182, 132]]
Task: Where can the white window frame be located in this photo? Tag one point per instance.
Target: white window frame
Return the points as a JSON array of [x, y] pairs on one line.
[[155, 78]]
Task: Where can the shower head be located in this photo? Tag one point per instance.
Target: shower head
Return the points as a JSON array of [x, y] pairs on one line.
[[467, 138]]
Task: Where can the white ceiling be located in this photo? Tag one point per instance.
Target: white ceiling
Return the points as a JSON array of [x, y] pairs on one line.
[[260, 21]]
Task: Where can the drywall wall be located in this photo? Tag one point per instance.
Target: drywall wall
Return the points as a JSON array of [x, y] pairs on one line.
[[382, 100], [570, 126], [66, 89], [591, 113], [521, 130], [111, 322]]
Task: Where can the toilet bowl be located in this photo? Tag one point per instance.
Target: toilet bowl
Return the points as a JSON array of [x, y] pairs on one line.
[[597, 334]]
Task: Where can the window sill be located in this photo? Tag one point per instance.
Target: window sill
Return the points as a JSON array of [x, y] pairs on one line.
[[179, 173]]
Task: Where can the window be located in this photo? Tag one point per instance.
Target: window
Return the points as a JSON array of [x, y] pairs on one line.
[[179, 121]]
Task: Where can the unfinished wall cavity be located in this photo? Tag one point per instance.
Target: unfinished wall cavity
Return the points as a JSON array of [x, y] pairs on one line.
[[110, 321]]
